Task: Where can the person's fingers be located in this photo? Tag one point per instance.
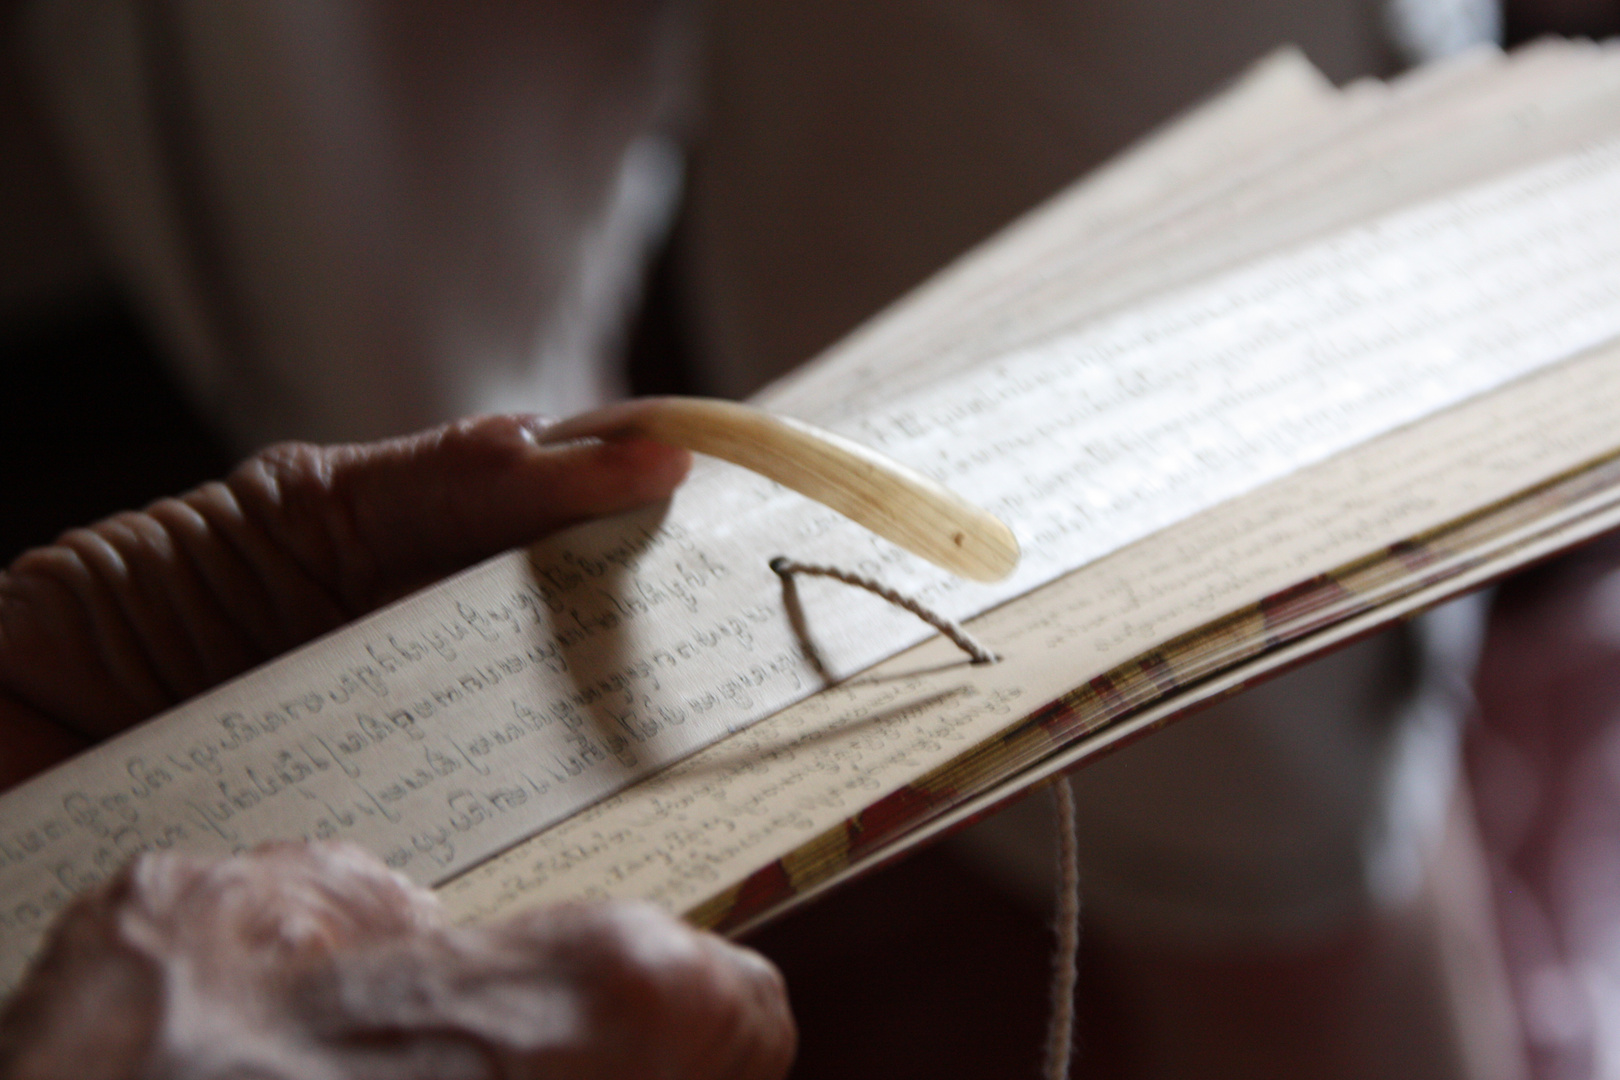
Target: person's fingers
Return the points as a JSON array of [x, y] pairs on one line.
[[189, 966], [655, 991], [374, 520], [316, 960], [68, 649], [756, 1037], [575, 992], [120, 620]]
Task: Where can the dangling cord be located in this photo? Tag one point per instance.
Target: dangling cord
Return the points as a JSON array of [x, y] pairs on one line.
[[1066, 922], [1066, 959], [785, 567]]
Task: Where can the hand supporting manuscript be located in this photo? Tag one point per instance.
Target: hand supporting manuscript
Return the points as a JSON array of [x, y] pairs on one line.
[[302, 960], [128, 617], [315, 961], [301, 539]]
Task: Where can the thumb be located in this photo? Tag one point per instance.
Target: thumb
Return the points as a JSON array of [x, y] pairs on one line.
[[377, 519], [112, 623]]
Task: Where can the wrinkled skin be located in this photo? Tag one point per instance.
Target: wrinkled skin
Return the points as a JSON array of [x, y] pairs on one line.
[[317, 962], [119, 621]]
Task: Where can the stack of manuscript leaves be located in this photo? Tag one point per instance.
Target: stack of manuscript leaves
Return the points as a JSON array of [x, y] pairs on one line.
[[1306, 361]]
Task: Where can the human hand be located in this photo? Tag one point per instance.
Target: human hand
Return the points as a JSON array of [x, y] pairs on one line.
[[315, 961], [116, 622]]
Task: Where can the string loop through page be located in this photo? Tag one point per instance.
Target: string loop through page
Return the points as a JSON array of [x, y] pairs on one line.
[[784, 567]]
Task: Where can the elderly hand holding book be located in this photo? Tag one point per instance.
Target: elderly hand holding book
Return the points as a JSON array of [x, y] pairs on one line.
[[315, 960]]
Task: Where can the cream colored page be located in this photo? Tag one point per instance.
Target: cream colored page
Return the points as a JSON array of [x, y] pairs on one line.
[[1344, 163], [1375, 152], [1281, 94], [1276, 104], [510, 697], [689, 833], [1216, 231]]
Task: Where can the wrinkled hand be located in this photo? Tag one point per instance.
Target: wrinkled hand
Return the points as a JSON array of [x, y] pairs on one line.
[[116, 622], [317, 962]]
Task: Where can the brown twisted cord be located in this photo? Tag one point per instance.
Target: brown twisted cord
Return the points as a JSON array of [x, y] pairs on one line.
[[784, 566], [1066, 958], [1066, 920]]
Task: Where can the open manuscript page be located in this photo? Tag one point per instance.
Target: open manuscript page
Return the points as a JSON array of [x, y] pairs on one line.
[[790, 790], [1278, 161], [789, 793], [458, 723]]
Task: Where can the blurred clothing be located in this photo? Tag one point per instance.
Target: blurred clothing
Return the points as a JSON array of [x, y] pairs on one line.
[[357, 219]]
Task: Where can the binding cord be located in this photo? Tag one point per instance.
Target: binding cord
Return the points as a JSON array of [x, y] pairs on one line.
[[1066, 924], [1066, 956], [785, 568]]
